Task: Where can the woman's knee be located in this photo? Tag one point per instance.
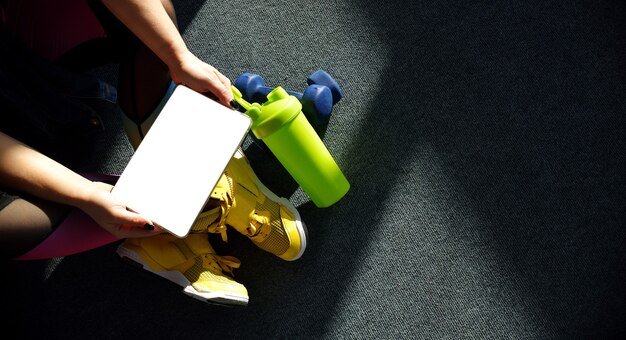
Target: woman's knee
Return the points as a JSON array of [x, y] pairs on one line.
[[26, 222]]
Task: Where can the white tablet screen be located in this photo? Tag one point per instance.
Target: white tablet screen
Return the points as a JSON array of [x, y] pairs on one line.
[[171, 174]]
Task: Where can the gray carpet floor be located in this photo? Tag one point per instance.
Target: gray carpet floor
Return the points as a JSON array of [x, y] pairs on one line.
[[484, 143]]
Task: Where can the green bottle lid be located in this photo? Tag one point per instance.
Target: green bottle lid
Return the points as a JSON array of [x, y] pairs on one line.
[[279, 109]]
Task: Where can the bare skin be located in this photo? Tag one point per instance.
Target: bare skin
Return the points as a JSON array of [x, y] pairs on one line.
[[26, 170], [152, 21], [50, 189]]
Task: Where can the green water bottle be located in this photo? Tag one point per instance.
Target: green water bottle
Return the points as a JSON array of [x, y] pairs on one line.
[[280, 123]]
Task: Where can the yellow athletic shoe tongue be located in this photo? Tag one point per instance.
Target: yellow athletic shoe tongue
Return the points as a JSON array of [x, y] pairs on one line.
[[206, 218]]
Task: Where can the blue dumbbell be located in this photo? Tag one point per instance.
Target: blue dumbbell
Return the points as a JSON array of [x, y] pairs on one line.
[[321, 77], [317, 99]]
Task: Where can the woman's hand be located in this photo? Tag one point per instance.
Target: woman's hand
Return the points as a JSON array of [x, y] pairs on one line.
[[113, 216], [25, 169], [201, 77]]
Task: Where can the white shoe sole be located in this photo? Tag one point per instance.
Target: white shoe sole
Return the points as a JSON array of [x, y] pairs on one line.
[[222, 298]]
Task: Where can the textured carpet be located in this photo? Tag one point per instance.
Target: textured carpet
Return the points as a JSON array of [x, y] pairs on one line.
[[484, 142]]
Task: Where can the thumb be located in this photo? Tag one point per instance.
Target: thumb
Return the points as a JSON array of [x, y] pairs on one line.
[[131, 218]]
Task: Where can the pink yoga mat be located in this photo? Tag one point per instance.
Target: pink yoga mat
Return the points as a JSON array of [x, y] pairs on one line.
[[77, 233]]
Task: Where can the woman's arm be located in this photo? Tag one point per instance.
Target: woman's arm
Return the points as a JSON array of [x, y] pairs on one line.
[[150, 22], [25, 169]]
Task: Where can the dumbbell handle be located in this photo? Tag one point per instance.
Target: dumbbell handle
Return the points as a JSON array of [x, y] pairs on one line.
[[317, 100]]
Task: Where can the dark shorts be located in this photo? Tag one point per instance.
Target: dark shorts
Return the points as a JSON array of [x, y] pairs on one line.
[[53, 110], [46, 101]]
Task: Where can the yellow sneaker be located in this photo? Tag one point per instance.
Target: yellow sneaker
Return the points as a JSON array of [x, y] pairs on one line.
[[241, 201], [191, 263]]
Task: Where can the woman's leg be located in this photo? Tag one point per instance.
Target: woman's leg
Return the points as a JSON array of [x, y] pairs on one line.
[[26, 222], [32, 229]]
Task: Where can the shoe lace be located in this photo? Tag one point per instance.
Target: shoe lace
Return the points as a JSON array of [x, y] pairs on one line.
[[219, 227], [257, 220], [226, 263]]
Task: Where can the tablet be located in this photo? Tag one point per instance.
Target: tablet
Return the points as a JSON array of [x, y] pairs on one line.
[[171, 174]]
